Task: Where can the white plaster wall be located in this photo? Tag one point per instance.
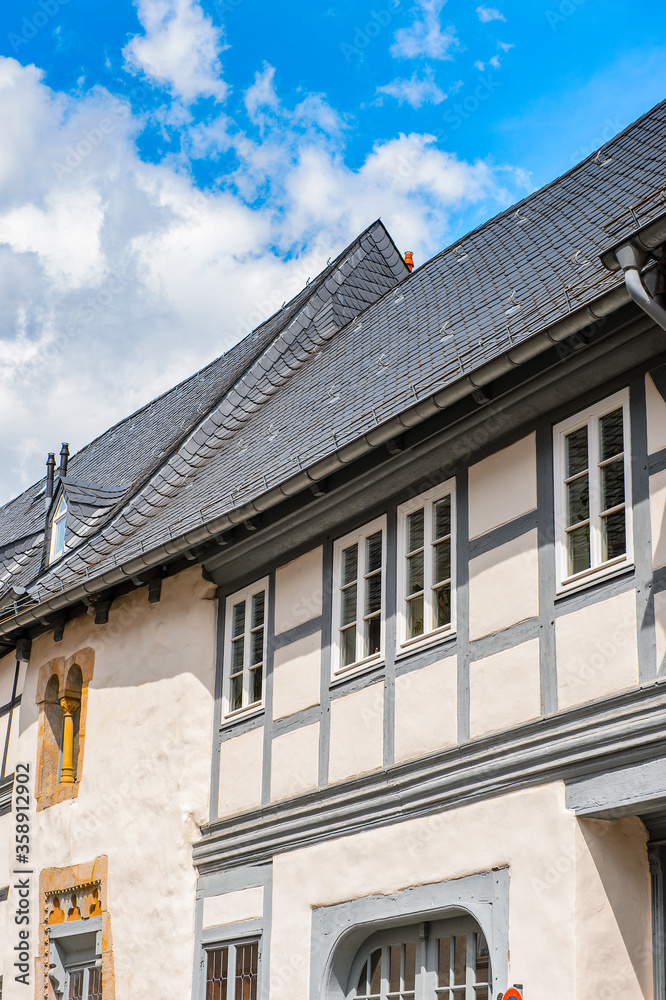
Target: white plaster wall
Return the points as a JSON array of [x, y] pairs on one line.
[[504, 586], [241, 768], [146, 775], [658, 518], [233, 907], [295, 762], [656, 417], [660, 623], [7, 929], [357, 733], [502, 486], [297, 676], [613, 909], [426, 709], [555, 905], [505, 689], [597, 651], [7, 668], [298, 590]]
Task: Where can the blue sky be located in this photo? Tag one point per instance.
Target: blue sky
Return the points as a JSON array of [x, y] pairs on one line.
[[172, 170]]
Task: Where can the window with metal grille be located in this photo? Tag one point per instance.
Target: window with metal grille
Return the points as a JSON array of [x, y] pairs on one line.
[[85, 983], [593, 492], [232, 971], [245, 649], [444, 960]]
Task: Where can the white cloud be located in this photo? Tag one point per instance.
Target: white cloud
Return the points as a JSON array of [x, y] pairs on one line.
[[479, 65], [118, 277], [414, 91], [505, 46], [425, 37], [489, 14], [494, 62], [179, 49]]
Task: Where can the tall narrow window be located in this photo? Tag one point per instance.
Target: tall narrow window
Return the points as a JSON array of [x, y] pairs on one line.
[[245, 649], [593, 506], [426, 574], [358, 602], [232, 972], [58, 525]]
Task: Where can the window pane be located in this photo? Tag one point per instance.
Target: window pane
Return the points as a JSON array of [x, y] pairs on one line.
[[246, 971], [349, 605], [442, 518], [415, 531], [443, 606], [236, 693], [348, 644], [415, 617], [613, 539], [612, 438], [373, 552], [578, 500], [349, 564], [238, 626], [376, 971], [576, 449], [373, 594], [612, 484], [95, 985], [481, 993], [415, 573], [444, 960], [460, 960], [257, 646], [362, 985], [256, 682], [395, 960], [258, 602], [578, 542], [217, 974], [442, 567], [59, 534], [237, 648], [372, 636], [482, 960], [76, 985], [410, 967]]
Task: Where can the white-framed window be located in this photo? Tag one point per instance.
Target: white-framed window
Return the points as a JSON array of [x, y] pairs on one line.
[[245, 649], [359, 564], [443, 960], [593, 515], [232, 971], [426, 566], [58, 525]]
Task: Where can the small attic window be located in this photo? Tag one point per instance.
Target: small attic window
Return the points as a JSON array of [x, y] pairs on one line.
[[58, 525]]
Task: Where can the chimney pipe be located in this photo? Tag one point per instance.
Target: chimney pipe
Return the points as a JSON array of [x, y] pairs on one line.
[[64, 459], [50, 476], [409, 260]]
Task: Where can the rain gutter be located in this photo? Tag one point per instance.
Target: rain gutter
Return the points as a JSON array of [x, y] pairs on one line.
[[630, 256]]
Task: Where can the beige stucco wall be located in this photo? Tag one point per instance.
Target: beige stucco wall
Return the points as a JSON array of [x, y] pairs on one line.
[[660, 623], [233, 907], [505, 689], [553, 875], [656, 417], [241, 769], [295, 762], [146, 775], [658, 518], [298, 590], [357, 733], [426, 709], [297, 676], [502, 486], [597, 651], [504, 586]]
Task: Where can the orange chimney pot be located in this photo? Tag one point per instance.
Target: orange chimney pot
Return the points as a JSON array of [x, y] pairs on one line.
[[409, 259]]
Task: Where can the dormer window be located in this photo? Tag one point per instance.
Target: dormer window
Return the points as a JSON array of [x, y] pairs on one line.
[[58, 525]]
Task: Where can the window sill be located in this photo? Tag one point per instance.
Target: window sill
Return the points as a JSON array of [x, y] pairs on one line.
[[241, 714], [425, 641], [354, 669], [593, 577]]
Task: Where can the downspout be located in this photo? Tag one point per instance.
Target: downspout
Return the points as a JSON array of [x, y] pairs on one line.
[[630, 256]]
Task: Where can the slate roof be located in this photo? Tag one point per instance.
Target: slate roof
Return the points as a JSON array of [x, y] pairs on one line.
[[312, 386]]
